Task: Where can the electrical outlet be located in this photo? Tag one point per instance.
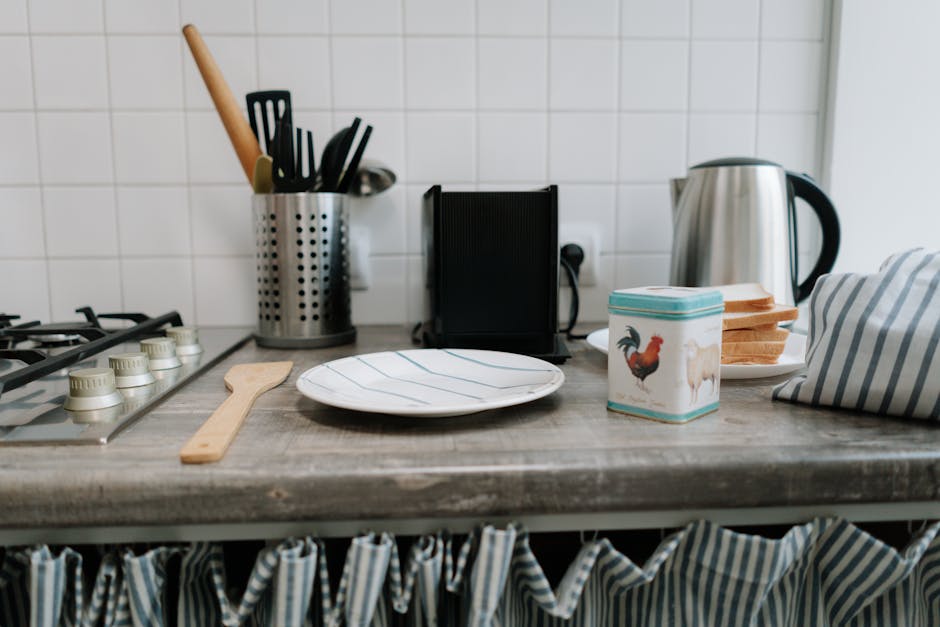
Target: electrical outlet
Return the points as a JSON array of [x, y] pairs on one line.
[[360, 275], [587, 236]]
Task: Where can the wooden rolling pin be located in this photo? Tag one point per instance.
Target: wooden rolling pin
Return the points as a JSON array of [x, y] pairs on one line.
[[243, 139]]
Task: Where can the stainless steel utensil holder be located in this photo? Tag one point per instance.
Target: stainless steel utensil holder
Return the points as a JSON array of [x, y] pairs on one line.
[[303, 270]]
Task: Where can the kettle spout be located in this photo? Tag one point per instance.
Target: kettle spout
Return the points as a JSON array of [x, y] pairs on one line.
[[675, 188]]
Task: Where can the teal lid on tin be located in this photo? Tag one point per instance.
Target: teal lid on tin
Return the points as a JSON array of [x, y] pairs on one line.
[[674, 300]]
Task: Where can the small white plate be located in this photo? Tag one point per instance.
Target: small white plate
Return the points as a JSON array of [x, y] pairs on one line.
[[791, 360], [429, 382]]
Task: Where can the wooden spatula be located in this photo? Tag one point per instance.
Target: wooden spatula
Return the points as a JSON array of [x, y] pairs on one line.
[[247, 382]]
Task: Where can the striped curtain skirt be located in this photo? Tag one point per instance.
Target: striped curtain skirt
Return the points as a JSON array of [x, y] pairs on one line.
[[827, 572]]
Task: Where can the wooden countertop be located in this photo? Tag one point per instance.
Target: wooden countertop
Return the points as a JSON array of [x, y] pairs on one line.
[[295, 459]]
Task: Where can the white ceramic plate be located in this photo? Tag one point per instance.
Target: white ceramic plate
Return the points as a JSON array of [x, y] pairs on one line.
[[430, 382], [791, 360]]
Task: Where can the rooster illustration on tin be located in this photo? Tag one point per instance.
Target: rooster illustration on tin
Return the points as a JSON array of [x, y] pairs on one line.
[[641, 364]]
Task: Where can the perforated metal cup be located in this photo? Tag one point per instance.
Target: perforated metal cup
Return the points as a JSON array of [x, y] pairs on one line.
[[303, 270]]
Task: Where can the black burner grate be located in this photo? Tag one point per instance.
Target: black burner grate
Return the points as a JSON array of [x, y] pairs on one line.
[[94, 339]]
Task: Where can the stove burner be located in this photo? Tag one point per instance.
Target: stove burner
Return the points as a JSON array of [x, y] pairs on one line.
[[86, 339]]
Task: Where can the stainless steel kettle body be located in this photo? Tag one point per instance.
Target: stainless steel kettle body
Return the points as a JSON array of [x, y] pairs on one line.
[[735, 222]]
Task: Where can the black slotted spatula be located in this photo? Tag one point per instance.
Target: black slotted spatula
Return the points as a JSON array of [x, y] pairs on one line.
[[265, 111]]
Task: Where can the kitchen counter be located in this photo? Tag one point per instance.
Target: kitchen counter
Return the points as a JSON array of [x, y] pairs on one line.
[[563, 461]]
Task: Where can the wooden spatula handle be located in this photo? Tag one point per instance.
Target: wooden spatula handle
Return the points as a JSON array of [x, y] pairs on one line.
[[243, 139], [214, 436]]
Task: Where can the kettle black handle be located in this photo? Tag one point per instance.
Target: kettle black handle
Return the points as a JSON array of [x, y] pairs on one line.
[[804, 187]]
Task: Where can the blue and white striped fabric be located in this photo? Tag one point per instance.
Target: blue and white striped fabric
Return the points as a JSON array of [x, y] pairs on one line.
[[873, 340], [827, 572]]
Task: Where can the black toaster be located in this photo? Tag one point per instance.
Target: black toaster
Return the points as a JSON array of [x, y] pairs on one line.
[[491, 271]]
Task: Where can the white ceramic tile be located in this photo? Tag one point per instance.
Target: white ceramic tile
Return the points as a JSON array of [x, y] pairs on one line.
[[724, 19], [65, 16], [582, 147], [153, 221], [790, 76], [75, 147], [19, 161], [210, 155], [70, 72], [792, 19], [78, 282], [439, 17], [225, 291], [512, 73], [80, 222], [25, 288], [439, 73], [583, 74], [663, 18], [384, 301], [298, 17], [154, 286], [717, 135], [440, 147], [146, 72], [142, 16], [222, 220], [235, 57], [584, 17], [644, 219], [654, 75], [387, 142], [365, 17], [21, 217], [788, 139], [383, 217], [15, 74], [221, 16], [589, 204], [416, 292], [592, 299], [652, 146], [281, 57], [724, 76], [413, 203], [512, 146], [512, 17], [13, 17], [367, 72], [640, 270], [149, 147]]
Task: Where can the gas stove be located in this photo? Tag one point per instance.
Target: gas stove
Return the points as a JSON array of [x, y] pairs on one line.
[[81, 382]]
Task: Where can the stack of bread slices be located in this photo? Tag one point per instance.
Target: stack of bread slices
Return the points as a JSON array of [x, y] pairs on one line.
[[750, 326]]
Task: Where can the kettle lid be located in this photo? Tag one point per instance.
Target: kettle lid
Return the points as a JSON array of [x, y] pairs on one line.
[[734, 161]]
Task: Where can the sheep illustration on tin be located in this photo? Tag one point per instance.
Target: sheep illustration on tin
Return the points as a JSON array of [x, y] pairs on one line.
[[702, 363]]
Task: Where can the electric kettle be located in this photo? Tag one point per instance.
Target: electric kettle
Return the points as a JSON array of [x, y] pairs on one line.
[[735, 222]]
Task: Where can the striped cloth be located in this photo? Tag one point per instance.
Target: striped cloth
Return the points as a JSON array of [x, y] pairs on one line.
[[826, 572], [873, 340]]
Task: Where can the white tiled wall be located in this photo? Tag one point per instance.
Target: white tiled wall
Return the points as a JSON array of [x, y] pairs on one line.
[[119, 189]]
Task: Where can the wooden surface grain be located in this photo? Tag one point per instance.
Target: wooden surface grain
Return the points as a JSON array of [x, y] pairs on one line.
[[296, 459]]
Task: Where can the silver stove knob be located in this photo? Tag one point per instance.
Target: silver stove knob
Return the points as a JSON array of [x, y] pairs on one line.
[[92, 388], [187, 340], [162, 353], [131, 370]]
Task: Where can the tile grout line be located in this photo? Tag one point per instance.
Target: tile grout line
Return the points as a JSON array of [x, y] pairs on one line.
[[760, 50], [39, 176], [189, 187], [114, 178], [618, 148], [548, 93], [408, 209]]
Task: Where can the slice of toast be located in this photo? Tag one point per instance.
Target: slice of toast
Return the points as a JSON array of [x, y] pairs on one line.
[[746, 297], [769, 349], [747, 319], [748, 359], [773, 334]]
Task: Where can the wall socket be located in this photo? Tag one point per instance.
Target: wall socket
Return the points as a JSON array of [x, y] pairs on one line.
[[360, 275], [587, 236]]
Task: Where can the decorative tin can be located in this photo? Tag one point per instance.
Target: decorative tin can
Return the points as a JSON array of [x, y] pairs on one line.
[[664, 353]]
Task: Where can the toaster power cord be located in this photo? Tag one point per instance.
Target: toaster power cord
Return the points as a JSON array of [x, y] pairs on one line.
[[572, 256]]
